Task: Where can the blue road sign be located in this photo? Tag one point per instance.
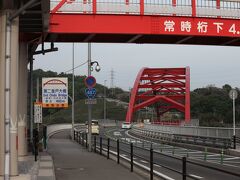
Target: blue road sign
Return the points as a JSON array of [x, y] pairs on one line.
[[90, 93], [90, 81]]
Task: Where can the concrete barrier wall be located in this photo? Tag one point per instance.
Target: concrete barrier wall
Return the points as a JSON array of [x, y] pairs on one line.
[[57, 127]]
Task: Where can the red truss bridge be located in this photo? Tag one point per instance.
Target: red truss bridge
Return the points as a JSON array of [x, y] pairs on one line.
[[210, 22], [164, 89]]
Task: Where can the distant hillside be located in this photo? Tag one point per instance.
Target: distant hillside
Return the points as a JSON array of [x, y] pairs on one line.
[[79, 90], [211, 105], [115, 110]]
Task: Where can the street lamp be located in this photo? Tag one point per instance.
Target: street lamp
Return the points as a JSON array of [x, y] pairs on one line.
[[97, 68], [90, 68], [104, 105]]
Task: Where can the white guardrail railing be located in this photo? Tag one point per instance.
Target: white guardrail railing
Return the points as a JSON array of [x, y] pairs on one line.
[[218, 132]]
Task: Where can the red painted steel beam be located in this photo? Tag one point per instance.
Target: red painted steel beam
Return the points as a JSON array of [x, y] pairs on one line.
[[163, 78], [187, 96], [60, 4], [194, 11], [143, 25], [174, 93], [178, 106], [141, 7], [174, 97], [163, 85], [94, 2], [133, 97]]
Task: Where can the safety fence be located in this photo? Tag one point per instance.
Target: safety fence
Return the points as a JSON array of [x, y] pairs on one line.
[[194, 130], [155, 161], [218, 142], [199, 8]]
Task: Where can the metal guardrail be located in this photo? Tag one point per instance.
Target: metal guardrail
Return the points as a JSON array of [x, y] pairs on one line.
[[108, 146], [194, 130], [181, 138]]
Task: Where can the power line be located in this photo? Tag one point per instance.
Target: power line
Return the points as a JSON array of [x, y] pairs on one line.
[[76, 67]]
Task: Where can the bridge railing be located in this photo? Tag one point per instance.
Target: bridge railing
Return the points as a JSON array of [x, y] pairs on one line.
[[199, 8], [194, 130], [129, 152], [170, 138]]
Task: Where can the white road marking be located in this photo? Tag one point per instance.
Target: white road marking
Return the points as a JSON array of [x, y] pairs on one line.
[[231, 158], [157, 165], [144, 161], [124, 155], [211, 155], [195, 152], [193, 175]]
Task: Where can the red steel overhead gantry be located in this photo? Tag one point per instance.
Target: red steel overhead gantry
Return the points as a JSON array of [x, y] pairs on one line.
[[138, 21], [168, 86]]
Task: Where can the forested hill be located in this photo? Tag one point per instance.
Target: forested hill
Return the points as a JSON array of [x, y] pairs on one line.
[[211, 105]]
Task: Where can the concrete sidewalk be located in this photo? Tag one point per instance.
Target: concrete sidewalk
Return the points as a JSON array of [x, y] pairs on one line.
[[45, 167], [72, 161], [28, 169]]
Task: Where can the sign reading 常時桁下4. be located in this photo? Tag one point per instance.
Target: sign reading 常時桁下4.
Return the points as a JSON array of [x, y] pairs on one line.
[[55, 92]]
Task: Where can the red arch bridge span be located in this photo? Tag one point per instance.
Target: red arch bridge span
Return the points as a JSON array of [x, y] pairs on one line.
[[162, 89], [210, 22]]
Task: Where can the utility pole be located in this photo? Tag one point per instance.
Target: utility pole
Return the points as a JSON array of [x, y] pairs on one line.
[[89, 105], [72, 91], [104, 105]]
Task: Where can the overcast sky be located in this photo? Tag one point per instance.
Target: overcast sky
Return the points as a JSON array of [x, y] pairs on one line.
[[208, 64]]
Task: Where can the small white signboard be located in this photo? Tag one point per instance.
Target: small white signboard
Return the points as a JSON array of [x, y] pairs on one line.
[[90, 101], [37, 113], [55, 92]]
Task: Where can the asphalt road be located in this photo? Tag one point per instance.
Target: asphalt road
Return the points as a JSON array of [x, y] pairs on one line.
[[73, 162], [161, 161]]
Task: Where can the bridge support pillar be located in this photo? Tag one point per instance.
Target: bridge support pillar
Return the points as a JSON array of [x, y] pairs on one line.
[[13, 93], [2, 81], [22, 99], [14, 97]]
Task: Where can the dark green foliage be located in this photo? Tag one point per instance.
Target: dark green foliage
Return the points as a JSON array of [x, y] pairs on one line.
[[211, 105], [114, 111]]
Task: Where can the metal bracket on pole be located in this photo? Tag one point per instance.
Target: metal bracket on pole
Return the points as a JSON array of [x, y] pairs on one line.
[[43, 51]]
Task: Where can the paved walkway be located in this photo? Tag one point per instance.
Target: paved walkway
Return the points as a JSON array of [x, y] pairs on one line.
[[45, 169], [31, 170], [72, 161]]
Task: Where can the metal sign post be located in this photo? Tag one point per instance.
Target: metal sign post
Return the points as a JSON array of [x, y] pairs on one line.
[[233, 95], [38, 120]]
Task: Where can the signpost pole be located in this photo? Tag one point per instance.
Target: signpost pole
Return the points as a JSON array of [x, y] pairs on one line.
[[233, 95], [234, 118], [89, 105]]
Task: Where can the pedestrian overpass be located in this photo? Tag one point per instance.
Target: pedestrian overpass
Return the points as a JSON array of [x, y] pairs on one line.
[[209, 22], [26, 24]]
